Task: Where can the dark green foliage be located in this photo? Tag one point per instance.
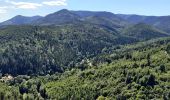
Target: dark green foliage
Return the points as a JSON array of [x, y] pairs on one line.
[[161, 22], [151, 80], [48, 49], [128, 76], [162, 68], [168, 49], [119, 79], [143, 32], [9, 92]]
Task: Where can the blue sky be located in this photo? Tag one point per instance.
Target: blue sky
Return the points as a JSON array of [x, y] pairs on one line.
[[11, 8]]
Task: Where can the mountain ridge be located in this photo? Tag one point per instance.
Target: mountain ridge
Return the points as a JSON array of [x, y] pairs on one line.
[[20, 20], [84, 13], [105, 18], [161, 22]]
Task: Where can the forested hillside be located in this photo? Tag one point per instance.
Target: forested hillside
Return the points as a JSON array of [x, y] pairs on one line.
[[42, 50], [83, 55], [132, 72], [161, 22], [139, 71], [29, 50]]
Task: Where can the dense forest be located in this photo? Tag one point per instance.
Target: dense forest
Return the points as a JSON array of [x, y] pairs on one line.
[[138, 71], [76, 55], [45, 50]]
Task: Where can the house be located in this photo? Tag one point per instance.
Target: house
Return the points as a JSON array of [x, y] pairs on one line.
[[6, 78]]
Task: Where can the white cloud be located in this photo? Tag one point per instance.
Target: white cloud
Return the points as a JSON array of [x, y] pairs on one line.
[[32, 5], [27, 5], [3, 9], [24, 5], [55, 3]]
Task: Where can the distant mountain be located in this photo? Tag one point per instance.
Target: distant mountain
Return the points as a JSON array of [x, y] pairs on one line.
[[20, 20], [161, 22], [105, 14], [73, 17], [84, 14], [102, 18], [143, 31], [61, 17], [65, 16]]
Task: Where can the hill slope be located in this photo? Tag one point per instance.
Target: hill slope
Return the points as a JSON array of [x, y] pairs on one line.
[[102, 18], [61, 17], [143, 32], [161, 22], [20, 20], [139, 71], [142, 73], [49, 49]]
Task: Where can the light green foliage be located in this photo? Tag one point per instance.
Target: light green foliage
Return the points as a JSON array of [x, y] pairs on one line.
[[82, 62], [9, 92], [139, 71], [124, 78]]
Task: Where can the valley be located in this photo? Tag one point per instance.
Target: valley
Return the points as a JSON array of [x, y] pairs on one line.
[[85, 55]]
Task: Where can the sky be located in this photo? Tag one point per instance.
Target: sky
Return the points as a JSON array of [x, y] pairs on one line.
[[11, 8]]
